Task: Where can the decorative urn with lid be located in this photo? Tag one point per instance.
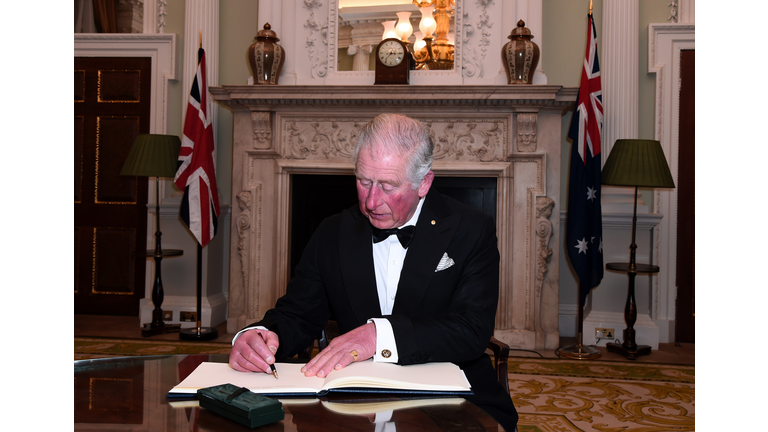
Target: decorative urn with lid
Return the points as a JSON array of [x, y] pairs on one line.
[[266, 57], [520, 55]]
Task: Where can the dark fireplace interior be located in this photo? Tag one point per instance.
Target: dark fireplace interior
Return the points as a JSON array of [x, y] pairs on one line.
[[315, 197]]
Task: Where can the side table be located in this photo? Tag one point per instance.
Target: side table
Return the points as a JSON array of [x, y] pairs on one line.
[[630, 349]]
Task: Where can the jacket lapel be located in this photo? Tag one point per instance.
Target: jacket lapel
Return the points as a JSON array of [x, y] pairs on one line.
[[358, 274], [433, 233]]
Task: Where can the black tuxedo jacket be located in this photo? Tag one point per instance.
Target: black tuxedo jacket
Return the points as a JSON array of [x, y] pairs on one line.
[[438, 316]]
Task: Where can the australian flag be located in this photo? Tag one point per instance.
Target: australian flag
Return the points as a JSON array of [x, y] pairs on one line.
[[196, 172], [584, 227]]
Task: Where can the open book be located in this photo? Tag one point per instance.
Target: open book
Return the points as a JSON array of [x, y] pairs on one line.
[[366, 377]]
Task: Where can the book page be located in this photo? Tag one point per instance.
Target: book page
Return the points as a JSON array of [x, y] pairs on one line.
[[290, 380], [427, 376]]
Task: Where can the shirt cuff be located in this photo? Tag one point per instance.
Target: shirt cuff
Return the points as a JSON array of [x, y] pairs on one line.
[[386, 349], [237, 335]]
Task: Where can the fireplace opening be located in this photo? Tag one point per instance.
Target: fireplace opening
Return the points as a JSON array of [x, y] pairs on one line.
[[315, 197]]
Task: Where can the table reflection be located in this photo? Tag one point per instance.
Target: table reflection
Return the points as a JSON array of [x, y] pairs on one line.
[[128, 393]]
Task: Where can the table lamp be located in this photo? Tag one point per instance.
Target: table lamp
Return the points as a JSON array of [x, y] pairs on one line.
[[156, 156], [638, 163]]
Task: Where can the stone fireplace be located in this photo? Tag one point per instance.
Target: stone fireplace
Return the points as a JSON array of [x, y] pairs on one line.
[[510, 133]]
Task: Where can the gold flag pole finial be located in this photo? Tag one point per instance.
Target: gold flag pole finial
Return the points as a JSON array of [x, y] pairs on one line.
[[590, 7], [200, 40]]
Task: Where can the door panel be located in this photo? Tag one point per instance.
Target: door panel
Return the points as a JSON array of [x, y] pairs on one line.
[[114, 136]]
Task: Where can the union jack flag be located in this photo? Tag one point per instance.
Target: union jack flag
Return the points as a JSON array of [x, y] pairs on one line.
[[196, 172], [584, 227]]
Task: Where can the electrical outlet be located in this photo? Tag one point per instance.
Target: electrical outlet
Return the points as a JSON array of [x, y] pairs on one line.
[[167, 315], [604, 333], [187, 316]]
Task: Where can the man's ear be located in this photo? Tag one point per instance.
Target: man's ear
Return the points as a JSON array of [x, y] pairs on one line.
[[425, 184]]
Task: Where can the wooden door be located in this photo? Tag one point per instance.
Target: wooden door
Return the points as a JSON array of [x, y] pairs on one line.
[[685, 330], [112, 106]]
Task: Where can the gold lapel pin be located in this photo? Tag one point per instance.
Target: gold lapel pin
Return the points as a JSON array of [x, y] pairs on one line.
[[433, 222]]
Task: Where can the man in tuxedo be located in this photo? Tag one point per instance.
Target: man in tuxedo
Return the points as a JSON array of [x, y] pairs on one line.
[[427, 293]]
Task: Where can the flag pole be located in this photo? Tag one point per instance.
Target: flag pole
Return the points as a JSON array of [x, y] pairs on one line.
[[199, 289], [580, 318], [579, 351], [199, 332]]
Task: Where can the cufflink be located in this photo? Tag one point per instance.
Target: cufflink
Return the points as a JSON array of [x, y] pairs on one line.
[[386, 353]]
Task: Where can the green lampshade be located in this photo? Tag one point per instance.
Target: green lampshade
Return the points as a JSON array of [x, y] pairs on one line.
[[153, 156], [636, 162]]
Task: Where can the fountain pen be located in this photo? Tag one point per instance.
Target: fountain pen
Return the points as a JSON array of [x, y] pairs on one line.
[[274, 370]]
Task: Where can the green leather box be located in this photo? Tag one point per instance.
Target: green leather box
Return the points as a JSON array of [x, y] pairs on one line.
[[241, 405]]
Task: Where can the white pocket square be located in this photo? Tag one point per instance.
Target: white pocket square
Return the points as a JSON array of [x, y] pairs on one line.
[[444, 263]]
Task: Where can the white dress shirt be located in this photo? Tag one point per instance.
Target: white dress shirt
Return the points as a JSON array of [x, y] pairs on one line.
[[388, 258]]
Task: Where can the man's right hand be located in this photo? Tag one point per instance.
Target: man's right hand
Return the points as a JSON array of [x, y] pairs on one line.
[[254, 350]]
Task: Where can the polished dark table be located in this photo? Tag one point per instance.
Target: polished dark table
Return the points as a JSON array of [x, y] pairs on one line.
[[129, 393]]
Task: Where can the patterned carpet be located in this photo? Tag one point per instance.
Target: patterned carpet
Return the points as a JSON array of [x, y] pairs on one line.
[[551, 395], [88, 348], [572, 395]]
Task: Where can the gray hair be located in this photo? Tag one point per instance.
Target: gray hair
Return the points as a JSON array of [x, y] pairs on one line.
[[396, 133]]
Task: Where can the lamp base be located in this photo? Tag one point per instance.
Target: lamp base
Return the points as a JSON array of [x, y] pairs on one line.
[[205, 333], [579, 352], [631, 354], [148, 330]]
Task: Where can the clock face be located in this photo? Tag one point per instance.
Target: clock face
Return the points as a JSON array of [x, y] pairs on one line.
[[391, 53]]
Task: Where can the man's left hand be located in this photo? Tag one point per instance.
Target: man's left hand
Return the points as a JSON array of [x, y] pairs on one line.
[[339, 353]]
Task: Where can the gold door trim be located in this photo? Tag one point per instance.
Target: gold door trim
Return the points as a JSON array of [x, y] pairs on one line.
[[96, 169], [93, 264], [98, 87], [83, 92]]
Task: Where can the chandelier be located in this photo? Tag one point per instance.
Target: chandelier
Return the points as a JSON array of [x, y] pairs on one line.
[[434, 53]]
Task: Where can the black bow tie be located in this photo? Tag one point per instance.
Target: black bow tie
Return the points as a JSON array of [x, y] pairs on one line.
[[404, 234]]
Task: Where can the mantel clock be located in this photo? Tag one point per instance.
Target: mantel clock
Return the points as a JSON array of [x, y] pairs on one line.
[[393, 62]]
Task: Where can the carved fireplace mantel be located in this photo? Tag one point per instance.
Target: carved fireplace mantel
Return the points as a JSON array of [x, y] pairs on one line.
[[511, 133]]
